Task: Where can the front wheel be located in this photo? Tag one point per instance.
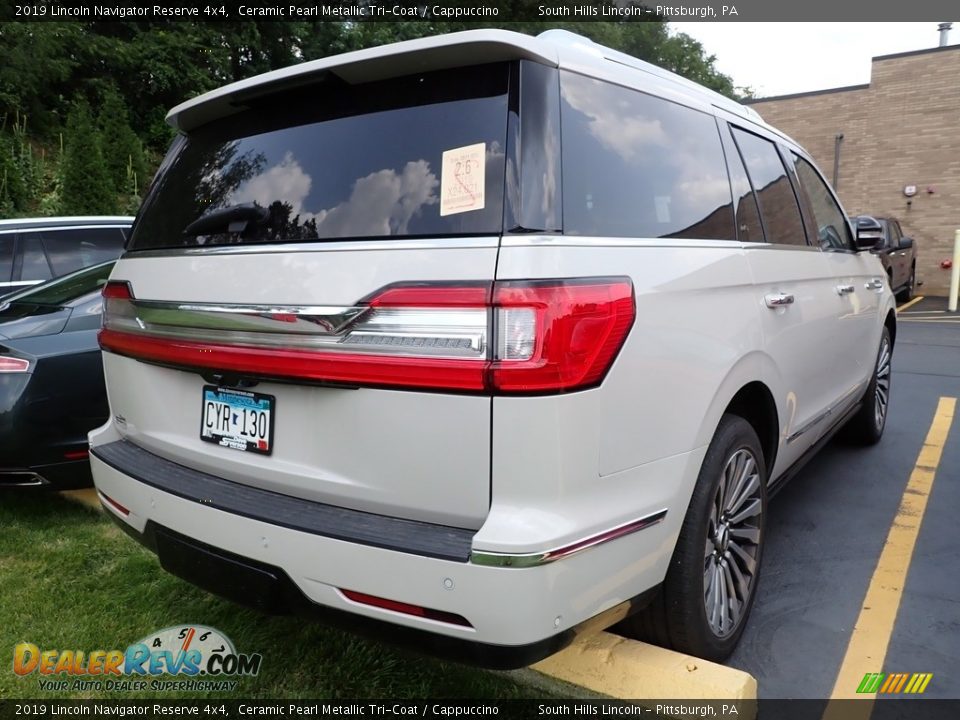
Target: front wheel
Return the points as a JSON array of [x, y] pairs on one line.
[[703, 604], [866, 427]]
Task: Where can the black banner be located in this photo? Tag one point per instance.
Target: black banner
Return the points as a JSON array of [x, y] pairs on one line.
[[883, 709], [471, 11]]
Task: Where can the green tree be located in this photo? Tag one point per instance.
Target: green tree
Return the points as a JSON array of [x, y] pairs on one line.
[[87, 189], [122, 149]]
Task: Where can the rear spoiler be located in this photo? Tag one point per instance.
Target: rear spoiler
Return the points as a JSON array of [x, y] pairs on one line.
[[471, 47]]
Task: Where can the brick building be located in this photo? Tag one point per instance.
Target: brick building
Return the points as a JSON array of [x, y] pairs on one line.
[[900, 130]]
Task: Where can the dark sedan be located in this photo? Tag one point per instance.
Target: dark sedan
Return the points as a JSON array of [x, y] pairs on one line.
[[51, 380]]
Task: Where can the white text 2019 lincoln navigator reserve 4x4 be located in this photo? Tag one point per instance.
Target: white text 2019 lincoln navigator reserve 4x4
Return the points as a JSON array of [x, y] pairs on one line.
[[483, 339]]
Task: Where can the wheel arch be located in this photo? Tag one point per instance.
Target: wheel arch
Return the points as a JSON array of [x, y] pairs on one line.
[[754, 403], [747, 392], [890, 322]]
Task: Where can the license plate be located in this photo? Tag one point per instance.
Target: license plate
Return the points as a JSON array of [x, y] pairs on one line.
[[237, 419]]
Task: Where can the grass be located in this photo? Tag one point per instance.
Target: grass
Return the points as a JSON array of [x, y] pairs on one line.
[[70, 579]]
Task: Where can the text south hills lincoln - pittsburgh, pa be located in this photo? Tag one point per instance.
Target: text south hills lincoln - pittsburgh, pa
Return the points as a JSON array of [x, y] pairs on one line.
[[615, 11]]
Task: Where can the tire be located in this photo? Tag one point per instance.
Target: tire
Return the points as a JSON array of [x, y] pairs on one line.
[[906, 294], [866, 427], [706, 551]]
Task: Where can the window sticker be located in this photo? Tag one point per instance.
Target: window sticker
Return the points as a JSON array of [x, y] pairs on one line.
[[462, 179]]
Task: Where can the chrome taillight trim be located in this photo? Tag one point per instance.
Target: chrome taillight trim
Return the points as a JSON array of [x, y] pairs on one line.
[[527, 560], [456, 333], [291, 319]]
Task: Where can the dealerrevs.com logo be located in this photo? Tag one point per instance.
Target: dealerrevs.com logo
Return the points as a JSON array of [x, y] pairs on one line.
[[203, 656]]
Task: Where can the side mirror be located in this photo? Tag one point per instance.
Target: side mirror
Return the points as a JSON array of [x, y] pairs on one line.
[[906, 243], [869, 232]]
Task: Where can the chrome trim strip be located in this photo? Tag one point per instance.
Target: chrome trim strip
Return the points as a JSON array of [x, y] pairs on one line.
[[836, 407], [306, 319], [527, 560], [321, 246], [298, 327], [578, 241], [31, 479], [57, 228], [25, 283]]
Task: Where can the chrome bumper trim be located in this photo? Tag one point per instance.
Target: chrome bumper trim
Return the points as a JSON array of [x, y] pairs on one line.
[[526, 560]]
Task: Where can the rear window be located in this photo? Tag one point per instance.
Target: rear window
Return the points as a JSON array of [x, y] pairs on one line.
[[409, 157]]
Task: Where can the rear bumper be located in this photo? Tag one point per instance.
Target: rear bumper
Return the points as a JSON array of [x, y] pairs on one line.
[[269, 589], [516, 615]]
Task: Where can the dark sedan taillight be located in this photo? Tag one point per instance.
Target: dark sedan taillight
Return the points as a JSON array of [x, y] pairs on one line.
[[14, 365]]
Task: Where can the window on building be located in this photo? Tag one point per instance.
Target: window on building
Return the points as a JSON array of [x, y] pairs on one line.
[[778, 203], [833, 232], [639, 166]]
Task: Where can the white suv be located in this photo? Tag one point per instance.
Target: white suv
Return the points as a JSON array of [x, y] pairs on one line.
[[484, 339]]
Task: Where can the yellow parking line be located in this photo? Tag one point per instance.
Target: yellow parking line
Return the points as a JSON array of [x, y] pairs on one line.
[[868, 644], [946, 320], [910, 304]]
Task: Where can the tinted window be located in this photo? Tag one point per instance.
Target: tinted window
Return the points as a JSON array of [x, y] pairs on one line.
[[893, 241], [638, 166], [35, 265], [778, 204], [746, 212], [335, 160], [6, 256], [67, 289], [70, 250], [832, 230]]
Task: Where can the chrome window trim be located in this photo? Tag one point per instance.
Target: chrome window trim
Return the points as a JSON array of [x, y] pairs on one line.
[[591, 241], [57, 228], [25, 283], [527, 560], [321, 246]]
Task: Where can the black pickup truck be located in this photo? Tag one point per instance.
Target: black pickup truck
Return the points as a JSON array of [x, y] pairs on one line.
[[897, 252]]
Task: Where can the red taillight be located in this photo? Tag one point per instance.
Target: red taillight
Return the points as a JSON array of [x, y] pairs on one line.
[[406, 608], [530, 337], [14, 365], [348, 369], [117, 290], [578, 328]]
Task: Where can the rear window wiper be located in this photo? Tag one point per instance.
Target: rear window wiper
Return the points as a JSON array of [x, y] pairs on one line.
[[232, 219]]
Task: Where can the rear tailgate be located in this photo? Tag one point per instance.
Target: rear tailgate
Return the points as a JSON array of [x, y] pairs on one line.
[[405, 453]]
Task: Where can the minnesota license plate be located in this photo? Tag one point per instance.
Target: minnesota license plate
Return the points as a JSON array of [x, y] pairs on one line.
[[237, 419]]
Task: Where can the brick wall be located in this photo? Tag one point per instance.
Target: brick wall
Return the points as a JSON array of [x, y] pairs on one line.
[[902, 129]]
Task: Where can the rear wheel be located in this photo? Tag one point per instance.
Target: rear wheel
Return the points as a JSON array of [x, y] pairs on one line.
[[702, 606], [866, 427]]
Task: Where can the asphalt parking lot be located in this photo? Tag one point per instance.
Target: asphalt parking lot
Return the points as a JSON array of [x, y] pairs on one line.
[[828, 528]]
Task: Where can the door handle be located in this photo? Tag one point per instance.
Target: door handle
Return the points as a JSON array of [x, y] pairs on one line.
[[875, 284], [775, 300], [844, 289]]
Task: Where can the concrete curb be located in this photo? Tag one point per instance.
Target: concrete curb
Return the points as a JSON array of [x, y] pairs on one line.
[[626, 669]]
